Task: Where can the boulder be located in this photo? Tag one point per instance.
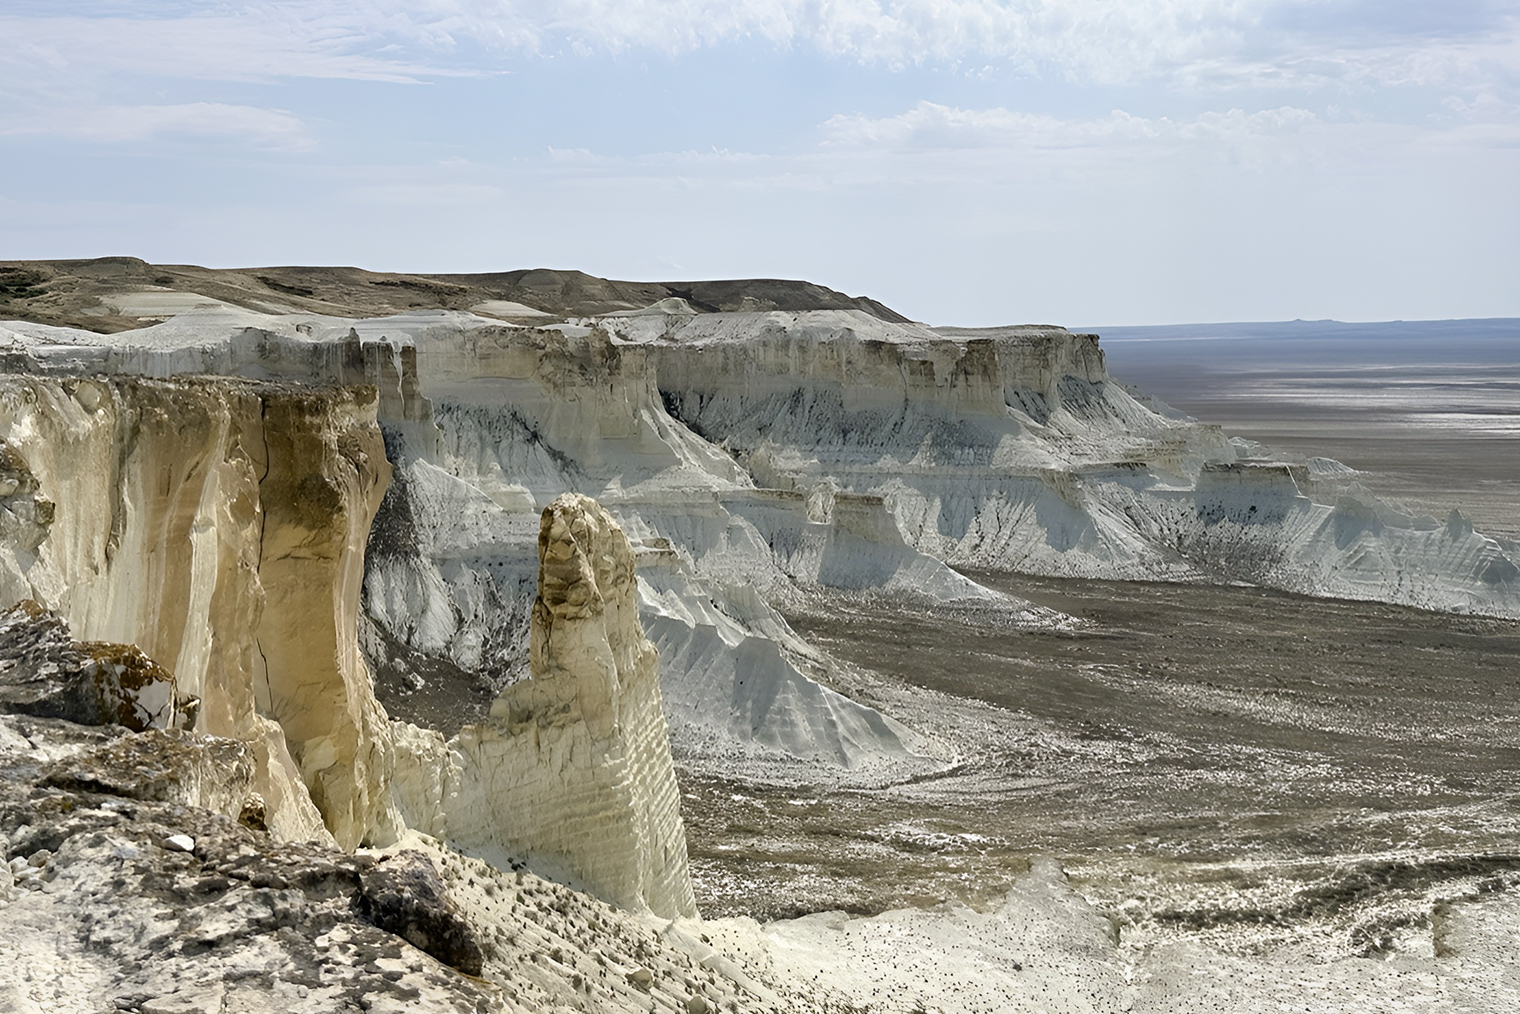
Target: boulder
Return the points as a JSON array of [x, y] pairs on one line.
[[405, 896], [44, 672]]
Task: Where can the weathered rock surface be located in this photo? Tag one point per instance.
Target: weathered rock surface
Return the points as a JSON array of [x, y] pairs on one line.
[[573, 768], [210, 772], [222, 524], [404, 895], [219, 527], [326, 472], [45, 672], [147, 903], [117, 894], [524, 415], [1012, 448]]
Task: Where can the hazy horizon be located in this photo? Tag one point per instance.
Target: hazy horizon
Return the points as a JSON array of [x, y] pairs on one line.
[[965, 161]]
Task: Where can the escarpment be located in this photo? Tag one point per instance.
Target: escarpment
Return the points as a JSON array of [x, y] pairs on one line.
[[221, 524], [347, 581], [218, 526], [1012, 449], [754, 457]]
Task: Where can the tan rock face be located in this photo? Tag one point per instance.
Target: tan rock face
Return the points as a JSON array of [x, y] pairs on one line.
[[574, 767], [218, 526], [326, 474]]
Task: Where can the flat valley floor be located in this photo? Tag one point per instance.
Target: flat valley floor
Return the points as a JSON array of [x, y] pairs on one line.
[[1241, 781], [1237, 774], [1428, 410]]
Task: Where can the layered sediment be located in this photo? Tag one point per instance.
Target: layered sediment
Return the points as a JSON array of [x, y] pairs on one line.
[[573, 769], [229, 521]]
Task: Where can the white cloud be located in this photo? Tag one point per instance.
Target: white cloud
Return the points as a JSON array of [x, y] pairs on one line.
[[929, 126], [320, 40], [263, 128], [1253, 42], [1296, 42]]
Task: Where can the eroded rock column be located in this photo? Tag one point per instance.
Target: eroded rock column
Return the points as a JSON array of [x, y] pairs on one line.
[[326, 474], [574, 767]]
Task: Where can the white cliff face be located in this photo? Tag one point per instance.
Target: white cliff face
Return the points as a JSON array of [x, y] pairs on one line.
[[755, 455], [240, 533], [573, 769], [1010, 448], [218, 526], [523, 415], [751, 456]]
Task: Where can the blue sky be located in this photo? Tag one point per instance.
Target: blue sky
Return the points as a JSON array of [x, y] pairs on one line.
[[966, 161]]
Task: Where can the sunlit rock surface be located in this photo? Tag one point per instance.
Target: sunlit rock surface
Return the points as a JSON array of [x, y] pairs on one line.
[[752, 456], [44, 672], [223, 528], [137, 881], [573, 767], [324, 477], [219, 527]]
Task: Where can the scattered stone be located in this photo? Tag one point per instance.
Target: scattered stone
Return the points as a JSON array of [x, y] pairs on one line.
[[179, 843]]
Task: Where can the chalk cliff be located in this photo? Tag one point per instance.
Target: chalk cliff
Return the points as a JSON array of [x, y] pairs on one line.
[[1011, 448], [218, 526], [227, 522], [221, 524], [519, 416], [573, 768], [753, 456]]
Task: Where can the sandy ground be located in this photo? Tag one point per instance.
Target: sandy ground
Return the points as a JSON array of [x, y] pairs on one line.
[[1429, 410]]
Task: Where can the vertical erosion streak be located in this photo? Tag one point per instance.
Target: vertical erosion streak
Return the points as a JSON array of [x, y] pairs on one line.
[[326, 473]]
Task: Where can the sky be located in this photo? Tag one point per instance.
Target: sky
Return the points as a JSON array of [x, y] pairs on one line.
[[970, 162]]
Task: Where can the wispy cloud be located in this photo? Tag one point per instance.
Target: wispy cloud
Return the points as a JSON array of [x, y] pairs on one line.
[[259, 43], [1093, 40], [262, 128], [931, 126], [1275, 42]]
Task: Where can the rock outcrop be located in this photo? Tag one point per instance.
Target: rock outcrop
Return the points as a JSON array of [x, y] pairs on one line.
[[404, 895], [1012, 449], [218, 526], [130, 886], [140, 896], [45, 672], [207, 504], [221, 525], [573, 769], [326, 472], [752, 457]]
